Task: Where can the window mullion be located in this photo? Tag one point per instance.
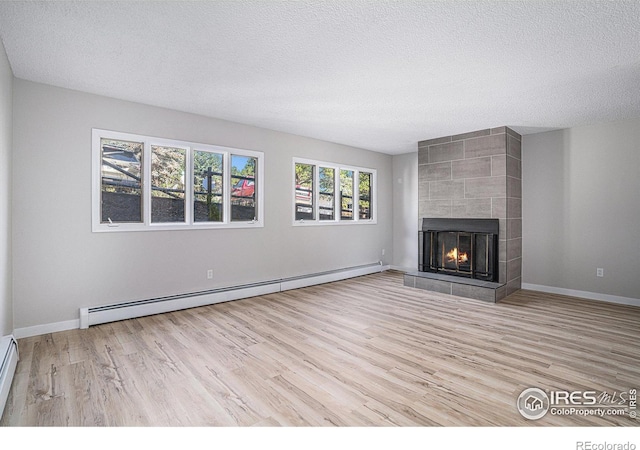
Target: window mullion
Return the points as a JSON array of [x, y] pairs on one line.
[[188, 187], [146, 184], [316, 193], [226, 187], [372, 192], [356, 195], [337, 197]]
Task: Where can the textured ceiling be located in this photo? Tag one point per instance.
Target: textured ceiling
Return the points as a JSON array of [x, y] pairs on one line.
[[375, 74]]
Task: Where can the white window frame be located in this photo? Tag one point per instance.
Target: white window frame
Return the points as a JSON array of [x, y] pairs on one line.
[[337, 208], [190, 147]]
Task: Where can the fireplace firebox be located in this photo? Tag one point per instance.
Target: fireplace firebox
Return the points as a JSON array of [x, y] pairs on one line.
[[460, 247]]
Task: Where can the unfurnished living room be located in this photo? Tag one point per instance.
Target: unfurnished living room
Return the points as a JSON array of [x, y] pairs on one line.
[[365, 214]]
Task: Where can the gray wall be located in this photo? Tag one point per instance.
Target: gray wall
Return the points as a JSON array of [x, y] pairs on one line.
[[405, 212], [6, 108], [60, 266], [581, 208]]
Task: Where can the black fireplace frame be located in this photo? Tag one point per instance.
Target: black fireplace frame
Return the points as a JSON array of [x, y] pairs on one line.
[[432, 226]]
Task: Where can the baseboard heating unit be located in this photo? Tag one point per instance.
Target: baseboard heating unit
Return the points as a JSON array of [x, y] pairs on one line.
[[129, 310], [8, 364]]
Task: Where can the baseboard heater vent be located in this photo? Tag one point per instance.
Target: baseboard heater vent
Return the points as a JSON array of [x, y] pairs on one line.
[[8, 364], [129, 310]]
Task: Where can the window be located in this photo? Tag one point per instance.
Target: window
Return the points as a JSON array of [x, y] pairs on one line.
[[168, 166], [120, 181], [346, 194], [243, 188], [208, 186], [327, 185], [364, 191], [304, 192], [147, 183], [327, 193]]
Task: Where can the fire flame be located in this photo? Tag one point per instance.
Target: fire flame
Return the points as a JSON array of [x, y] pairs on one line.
[[453, 256]]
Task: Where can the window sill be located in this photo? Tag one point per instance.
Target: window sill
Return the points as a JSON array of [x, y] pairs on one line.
[[317, 223], [116, 228]]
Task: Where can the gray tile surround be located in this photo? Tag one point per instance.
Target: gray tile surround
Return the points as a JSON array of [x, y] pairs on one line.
[[475, 175], [471, 168], [445, 152], [494, 144]]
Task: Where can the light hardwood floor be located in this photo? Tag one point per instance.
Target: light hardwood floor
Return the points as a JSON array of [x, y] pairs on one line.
[[361, 352]]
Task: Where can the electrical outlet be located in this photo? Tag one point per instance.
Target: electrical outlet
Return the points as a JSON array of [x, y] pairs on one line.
[[210, 274], [600, 272], [382, 252]]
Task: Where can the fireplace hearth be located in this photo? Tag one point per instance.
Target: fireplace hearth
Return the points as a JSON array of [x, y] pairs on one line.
[[460, 247]]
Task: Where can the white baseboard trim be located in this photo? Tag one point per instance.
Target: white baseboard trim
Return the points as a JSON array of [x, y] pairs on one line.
[[328, 277], [139, 309], [38, 330], [582, 294]]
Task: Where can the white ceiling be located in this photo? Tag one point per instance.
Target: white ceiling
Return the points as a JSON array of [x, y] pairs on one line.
[[376, 74]]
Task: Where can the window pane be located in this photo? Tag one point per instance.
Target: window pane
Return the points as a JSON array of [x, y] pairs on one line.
[[121, 191], [326, 202], [243, 185], [304, 192], [365, 195], [207, 187], [346, 194], [167, 184]]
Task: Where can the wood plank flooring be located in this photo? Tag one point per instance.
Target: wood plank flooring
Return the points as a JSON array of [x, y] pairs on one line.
[[361, 352]]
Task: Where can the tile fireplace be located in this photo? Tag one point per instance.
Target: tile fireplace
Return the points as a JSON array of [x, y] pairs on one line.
[[474, 176]]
